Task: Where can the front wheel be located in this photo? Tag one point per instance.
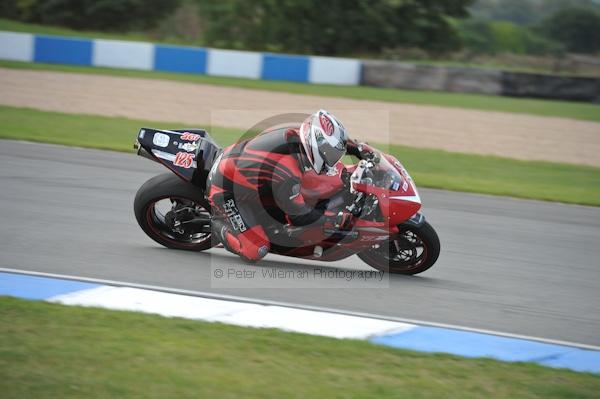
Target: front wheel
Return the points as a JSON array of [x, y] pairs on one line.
[[174, 213], [413, 250]]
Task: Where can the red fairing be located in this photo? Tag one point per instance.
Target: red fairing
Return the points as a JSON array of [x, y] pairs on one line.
[[396, 206], [399, 205]]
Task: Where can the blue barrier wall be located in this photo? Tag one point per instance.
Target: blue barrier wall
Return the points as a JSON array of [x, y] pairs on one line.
[[148, 56], [285, 67], [57, 50], [27, 47], [179, 59]]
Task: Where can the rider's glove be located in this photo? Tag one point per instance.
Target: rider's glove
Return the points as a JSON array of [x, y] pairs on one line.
[[367, 153]]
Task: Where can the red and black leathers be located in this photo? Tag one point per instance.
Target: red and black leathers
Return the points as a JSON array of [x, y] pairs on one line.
[[261, 183]]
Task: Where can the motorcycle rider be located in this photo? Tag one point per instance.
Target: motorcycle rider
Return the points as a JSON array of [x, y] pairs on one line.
[[262, 178]]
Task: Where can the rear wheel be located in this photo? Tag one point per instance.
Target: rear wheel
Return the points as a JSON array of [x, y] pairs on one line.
[[174, 213], [413, 250]]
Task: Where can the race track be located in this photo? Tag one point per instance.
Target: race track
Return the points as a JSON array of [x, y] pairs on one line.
[[522, 267]]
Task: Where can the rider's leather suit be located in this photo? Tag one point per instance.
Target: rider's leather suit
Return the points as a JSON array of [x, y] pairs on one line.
[[258, 182]]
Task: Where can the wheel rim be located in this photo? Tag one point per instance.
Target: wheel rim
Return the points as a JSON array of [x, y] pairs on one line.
[[171, 218], [407, 251]]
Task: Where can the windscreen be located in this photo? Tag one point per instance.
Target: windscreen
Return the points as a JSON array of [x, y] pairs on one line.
[[383, 175]]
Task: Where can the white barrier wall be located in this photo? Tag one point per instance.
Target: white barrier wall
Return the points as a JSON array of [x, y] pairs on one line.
[[329, 70], [121, 54], [148, 56], [16, 46], [239, 64]]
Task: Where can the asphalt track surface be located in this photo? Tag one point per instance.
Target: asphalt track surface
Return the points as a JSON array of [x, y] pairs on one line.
[[514, 266]]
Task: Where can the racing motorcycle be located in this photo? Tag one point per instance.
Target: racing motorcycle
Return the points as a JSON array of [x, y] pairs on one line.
[[388, 231]]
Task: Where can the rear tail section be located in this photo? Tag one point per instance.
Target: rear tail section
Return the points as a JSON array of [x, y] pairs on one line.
[[190, 154]]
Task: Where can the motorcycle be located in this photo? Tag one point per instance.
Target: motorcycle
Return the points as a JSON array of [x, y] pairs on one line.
[[387, 231]]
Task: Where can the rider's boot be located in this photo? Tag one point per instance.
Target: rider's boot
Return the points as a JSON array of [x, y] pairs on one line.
[[252, 244]]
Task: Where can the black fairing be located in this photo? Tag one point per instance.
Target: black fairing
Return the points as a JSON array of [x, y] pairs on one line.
[[204, 151]]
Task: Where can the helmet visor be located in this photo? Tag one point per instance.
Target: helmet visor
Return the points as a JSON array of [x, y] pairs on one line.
[[332, 155]]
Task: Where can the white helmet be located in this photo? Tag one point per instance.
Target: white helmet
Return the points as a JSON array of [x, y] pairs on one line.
[[324, 139]]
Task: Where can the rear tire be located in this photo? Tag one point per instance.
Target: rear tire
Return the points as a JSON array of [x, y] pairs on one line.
[[189, 198], [412, 251]]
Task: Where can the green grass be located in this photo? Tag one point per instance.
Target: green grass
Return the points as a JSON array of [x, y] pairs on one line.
[[430, 168], [563, 109], [55, 351], [502, 176]]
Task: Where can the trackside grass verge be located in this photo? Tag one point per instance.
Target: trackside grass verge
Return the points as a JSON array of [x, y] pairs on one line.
[[563, 109], [430, 168], [55, 351]]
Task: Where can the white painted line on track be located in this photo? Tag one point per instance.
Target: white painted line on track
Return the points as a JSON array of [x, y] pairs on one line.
[[295, 306]]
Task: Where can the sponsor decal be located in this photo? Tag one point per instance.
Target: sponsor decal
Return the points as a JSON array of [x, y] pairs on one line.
[[238, 223], [405, 174], [190, 136], [189, 147], [402, 170], [184, 160], [234, 216], [326, 124], [160, 139]]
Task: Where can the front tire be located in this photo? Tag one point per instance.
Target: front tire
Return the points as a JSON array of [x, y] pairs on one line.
[[412, 251], [168, 208]]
